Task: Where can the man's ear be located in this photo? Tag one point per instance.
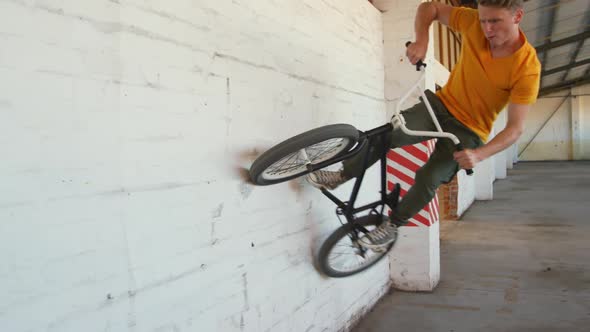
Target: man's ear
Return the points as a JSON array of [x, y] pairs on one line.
[[518, 14]]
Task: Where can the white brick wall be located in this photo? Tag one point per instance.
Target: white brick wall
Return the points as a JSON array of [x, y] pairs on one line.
[[124, 126]]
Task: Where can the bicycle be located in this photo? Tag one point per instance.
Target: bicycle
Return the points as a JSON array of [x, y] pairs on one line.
[[328, 145]]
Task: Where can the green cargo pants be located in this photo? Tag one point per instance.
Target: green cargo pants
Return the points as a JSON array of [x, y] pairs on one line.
[[440, 167]]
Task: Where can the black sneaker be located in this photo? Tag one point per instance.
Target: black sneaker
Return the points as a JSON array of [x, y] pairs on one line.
[[383, 235]]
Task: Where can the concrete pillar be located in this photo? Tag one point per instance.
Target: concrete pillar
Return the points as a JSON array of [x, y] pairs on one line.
[[515, 154], [484, 180], [485, 174], [495, 167], [509, 154], [500, 158], [465, 192], [580, 123], [416, 259]]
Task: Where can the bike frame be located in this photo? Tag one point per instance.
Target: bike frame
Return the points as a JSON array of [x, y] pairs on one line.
[[348, 208], [397, 121]]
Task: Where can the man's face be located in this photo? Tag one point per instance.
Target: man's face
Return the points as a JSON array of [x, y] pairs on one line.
[[499, 24]]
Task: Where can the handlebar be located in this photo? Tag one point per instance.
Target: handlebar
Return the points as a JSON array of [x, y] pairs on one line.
[[419, 65], [460, 148]]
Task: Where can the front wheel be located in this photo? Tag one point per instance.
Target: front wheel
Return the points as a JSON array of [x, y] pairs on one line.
[[342, 255], [290, 158]]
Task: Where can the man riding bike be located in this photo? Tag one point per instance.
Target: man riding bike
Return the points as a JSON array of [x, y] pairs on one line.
[[497, 67]]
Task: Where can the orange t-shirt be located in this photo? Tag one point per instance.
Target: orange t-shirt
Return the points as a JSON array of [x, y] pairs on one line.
[[480, 86]]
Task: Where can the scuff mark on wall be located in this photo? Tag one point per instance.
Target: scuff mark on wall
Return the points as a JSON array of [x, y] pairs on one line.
[[246, 190], [217, 211], [245, 284], [216, 215], [228, 116], [309, 208], [5, 104], [214, 240], [282, 102], [132, 283]]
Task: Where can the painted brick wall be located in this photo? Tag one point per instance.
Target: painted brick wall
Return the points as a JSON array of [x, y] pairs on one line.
[[447, 198], [125, 126]]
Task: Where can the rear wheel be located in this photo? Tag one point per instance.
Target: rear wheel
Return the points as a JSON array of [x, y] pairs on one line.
[[290, 158], [342, 256]]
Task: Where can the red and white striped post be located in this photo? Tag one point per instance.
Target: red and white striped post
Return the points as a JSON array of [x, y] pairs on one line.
[[415, 260]]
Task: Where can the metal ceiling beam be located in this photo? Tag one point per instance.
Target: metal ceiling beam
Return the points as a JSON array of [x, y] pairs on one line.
[[566, 67], [587, 73], [577, 50], [561, 42], [572, 59], [549, 32], [564, 85]]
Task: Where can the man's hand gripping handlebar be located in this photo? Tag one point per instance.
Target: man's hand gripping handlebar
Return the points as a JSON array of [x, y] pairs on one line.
[[398, 120]]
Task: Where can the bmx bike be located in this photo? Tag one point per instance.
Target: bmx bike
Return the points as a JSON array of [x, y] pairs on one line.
[[343, 253]]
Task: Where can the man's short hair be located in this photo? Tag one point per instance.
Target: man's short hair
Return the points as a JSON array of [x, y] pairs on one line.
[[508, 4]]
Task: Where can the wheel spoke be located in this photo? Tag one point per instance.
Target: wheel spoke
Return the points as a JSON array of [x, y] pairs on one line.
[[329, 148], [289, 162], [347, 258], [293, 164], [353, 258]]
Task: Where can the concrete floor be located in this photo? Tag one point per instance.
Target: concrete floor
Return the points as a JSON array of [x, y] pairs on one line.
[[520, 262]]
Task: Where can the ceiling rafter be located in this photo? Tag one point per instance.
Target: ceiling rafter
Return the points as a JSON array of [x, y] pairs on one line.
[[577, 50], [565, 68], [547, 46], [564, 85], [550, 28]]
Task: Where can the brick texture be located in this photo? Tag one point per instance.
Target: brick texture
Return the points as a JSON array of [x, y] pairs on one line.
[[448, 200], [126, 125]]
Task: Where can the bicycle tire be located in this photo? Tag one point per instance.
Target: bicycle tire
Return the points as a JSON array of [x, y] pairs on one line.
[[342, 232], [263, 173]]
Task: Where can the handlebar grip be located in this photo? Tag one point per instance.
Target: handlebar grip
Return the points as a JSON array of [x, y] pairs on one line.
[[460, 148], [420, 63]]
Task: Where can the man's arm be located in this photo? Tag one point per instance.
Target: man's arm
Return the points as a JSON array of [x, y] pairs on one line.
[[426, 14], [514, 128]]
